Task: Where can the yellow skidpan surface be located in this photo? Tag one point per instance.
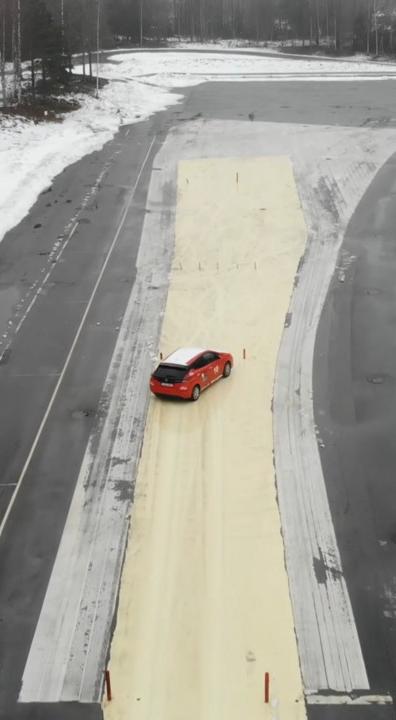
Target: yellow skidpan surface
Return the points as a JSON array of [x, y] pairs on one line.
[[204, 606]]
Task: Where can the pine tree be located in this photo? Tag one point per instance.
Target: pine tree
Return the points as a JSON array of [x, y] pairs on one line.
[[44, 43]]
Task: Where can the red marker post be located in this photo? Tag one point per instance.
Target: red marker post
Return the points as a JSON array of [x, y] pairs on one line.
[[108, 684], [266, 687]]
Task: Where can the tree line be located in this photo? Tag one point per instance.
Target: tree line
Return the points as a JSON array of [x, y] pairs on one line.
[[355, 25], [47, 33]]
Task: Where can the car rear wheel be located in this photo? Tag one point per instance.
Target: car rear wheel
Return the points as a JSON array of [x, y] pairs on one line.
[[195, 393], [227, 369]]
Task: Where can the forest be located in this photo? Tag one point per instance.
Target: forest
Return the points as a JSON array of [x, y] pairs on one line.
[[47, 33]]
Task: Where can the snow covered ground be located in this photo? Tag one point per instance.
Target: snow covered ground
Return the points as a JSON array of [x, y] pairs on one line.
[[32, 155], [170, 69], [140, 84]]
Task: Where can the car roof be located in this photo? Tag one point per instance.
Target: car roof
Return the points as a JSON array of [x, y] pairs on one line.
[[183, 356]]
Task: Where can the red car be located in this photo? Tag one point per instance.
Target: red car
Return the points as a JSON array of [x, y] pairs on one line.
[[188, 371]]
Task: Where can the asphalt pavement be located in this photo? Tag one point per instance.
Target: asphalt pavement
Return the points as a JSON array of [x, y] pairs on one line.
[[354, 378], [58, 329]]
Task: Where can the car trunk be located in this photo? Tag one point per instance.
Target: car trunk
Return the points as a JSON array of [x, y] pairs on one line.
[[170, 373]]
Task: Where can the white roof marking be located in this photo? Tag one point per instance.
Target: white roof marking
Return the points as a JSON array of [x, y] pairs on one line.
[[182, 356]]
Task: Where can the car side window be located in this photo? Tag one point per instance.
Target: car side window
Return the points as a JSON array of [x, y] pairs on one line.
[[210, 357], [204, 360], [199, 362]]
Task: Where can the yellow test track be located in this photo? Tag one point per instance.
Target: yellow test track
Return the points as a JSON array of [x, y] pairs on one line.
[[204, 606]]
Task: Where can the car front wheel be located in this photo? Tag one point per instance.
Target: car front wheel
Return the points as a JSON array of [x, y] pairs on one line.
[[227, 369], [195, 393]]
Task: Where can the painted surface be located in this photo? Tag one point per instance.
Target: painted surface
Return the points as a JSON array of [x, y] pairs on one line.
[[204, 607]]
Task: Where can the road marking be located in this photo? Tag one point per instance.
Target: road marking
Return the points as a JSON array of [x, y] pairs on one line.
[[349, 699], [43, 282], [73, 230], [54, 256], [74, 343]]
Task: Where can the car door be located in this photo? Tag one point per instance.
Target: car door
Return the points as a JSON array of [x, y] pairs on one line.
[[208, 363], [202, 372], [212, 366]]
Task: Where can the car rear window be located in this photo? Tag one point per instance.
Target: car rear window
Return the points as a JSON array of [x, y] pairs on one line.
[[170, 373]]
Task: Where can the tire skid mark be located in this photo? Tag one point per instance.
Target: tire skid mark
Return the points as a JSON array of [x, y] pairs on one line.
[[329, 647]]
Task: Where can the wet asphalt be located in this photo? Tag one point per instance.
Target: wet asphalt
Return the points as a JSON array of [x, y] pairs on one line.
[[354, 380]]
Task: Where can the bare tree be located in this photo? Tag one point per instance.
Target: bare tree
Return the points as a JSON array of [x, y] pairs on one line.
[[375, 26], [97, 45], [2, 55], [18, 53], [16, 49]]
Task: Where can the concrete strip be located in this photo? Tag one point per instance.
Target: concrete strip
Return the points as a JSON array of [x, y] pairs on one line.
[[331, 657], [204, 606]]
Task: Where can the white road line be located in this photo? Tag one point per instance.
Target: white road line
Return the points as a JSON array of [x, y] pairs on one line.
[[73, 230], [354, 699], [74, 343]]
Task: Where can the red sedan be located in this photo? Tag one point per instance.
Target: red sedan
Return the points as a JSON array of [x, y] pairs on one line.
[[188, 371]]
